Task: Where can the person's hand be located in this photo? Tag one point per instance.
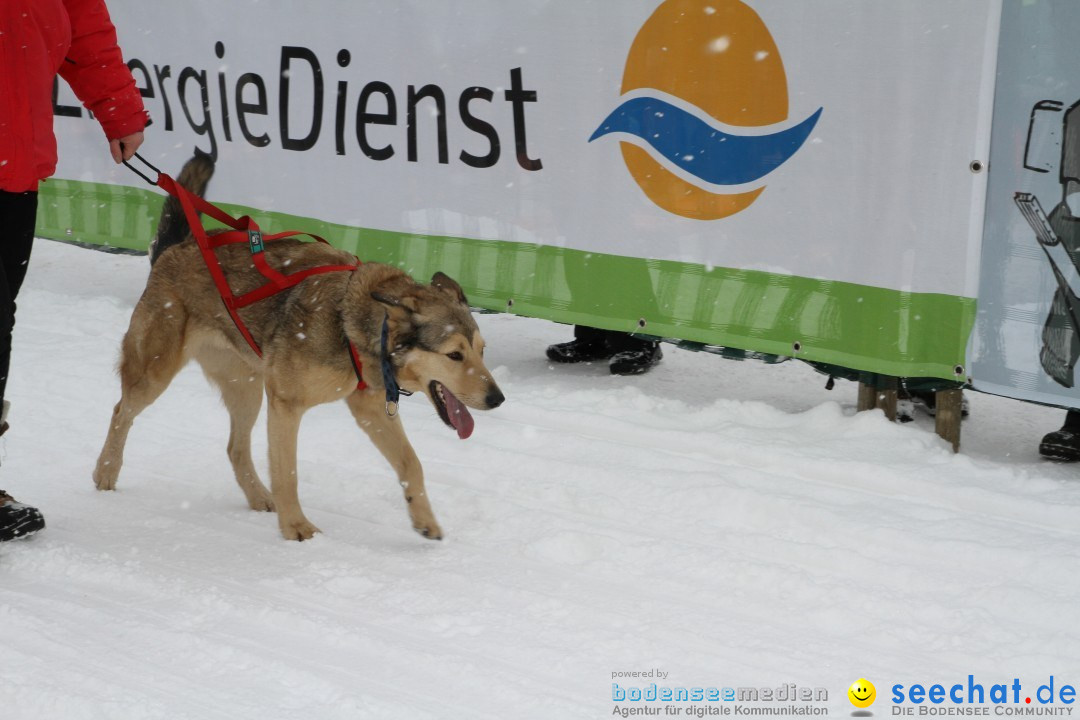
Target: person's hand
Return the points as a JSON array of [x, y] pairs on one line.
[[123, 148]]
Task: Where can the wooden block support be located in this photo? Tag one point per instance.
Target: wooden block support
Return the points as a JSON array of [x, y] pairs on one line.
[[886, 400], [949, 405], [880, 394], [867, 397]]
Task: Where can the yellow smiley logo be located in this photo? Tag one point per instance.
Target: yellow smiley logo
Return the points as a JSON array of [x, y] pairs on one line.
[[862, 693]]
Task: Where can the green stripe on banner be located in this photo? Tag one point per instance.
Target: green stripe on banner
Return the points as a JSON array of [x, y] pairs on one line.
[[854, 326]]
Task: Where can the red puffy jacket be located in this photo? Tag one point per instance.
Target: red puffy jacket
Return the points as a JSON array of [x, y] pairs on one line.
[[39, 38]]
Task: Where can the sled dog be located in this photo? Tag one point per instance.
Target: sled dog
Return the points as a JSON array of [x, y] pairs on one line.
[[433, 346]]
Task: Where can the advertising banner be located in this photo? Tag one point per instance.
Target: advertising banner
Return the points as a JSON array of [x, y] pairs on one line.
[[801, 179], [1025, 343]]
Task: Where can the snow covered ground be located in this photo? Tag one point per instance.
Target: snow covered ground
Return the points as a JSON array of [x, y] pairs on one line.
[[727, 523]]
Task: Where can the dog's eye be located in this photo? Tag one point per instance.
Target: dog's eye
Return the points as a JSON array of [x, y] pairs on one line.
[[455, 356]]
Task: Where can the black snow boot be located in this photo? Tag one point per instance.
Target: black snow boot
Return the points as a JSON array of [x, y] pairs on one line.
[[18, 520], [577, 351], [1063, 444], [588, 344], [637, 361]]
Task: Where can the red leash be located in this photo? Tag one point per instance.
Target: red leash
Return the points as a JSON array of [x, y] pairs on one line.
[[244, 230]]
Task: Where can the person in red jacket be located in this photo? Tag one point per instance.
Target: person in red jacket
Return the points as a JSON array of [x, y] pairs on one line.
[[38, 40]]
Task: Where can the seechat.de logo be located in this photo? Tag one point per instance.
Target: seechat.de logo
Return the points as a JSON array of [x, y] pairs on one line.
[[706, 83]]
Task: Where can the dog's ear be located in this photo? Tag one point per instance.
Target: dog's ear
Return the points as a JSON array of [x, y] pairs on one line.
[[406, 302], [449, 286]]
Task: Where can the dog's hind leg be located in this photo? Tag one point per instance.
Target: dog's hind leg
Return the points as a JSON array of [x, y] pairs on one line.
[[389, 437], [241, 390], [151, 354]]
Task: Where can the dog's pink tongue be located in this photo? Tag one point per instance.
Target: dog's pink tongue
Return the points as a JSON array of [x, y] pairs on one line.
[[460, 417]]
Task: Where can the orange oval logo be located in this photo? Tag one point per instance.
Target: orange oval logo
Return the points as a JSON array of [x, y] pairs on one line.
[[700, 71]]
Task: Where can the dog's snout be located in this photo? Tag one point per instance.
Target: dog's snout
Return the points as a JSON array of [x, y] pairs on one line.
[[494, 398]]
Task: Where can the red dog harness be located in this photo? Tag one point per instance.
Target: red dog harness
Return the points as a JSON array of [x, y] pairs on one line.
[[244, 230]]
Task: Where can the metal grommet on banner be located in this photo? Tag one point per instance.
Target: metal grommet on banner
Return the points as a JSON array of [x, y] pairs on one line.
[[976, 166], [796, 346], [958, 370]]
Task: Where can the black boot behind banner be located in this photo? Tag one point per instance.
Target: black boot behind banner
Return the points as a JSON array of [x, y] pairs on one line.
[[1063, 444], [18, 520], [589, 344], [632, 356], [629, 355]]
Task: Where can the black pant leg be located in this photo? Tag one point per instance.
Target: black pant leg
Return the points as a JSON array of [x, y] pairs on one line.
[[623, 342], [591, 335], [18, 215], [1072, 421]]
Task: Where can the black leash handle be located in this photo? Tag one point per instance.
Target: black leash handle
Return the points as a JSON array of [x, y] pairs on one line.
[[138, 172]]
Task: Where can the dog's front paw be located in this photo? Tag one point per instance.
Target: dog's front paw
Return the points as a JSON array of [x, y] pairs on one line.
[[105, 477], [430, 530], [261, 502], [300, 530], [262, 505]]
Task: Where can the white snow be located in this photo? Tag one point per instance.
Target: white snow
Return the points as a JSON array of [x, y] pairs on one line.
[[727, 523]]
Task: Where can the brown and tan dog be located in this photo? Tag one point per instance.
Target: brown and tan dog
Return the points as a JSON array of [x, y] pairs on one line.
[[434, 347]]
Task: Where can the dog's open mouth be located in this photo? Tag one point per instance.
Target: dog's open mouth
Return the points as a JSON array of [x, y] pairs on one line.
[[451, 410]]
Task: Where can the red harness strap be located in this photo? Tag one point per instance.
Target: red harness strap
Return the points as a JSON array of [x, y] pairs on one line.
[[245, 230]]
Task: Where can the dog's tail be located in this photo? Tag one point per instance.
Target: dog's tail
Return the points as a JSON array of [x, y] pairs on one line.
[[173, 228]]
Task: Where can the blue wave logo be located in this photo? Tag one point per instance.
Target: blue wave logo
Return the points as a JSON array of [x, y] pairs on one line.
[[702, 150], [704, 158]]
